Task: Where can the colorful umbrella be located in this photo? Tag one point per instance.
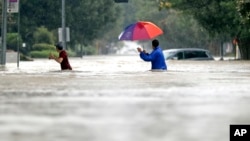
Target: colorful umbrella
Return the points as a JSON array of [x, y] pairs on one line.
[[141, 30]]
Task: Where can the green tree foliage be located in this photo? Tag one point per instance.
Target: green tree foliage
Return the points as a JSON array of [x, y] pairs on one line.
[[38, 13], [43, 46], [99, 22], [243, 7], [12, 40], [183, 31], [84, 18], [92, 20], [222, 18], [42, 50], [87, 20], [179, 30], [217, 16], [42, 35]]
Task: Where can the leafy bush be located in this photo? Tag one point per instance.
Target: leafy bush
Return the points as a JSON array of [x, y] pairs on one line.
[[12, 41], [46, 53], [42, 35], [42, 54], [43, 46]]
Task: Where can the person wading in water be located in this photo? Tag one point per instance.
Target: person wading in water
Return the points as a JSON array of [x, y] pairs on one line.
[[62, 59]]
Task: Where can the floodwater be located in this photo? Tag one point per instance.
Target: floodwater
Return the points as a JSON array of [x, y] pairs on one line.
[[116, 98]]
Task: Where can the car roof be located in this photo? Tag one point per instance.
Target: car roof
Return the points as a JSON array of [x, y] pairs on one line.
[[185, 49]]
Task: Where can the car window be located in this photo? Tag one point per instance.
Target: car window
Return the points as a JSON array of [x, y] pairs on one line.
[[168, 54], [179, 55], [195, 54], [202, 54]]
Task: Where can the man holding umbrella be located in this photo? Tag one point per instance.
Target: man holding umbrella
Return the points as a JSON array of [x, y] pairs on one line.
[[156, 57], [145, 30]]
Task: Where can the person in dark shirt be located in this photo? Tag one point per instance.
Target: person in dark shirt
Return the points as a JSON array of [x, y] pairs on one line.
[[62, 59], [156, 57]]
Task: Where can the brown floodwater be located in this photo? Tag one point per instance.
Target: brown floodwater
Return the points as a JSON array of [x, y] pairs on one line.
[[117, 98]]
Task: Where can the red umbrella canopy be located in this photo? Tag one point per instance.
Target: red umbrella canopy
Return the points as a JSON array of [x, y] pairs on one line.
[[142, 30]]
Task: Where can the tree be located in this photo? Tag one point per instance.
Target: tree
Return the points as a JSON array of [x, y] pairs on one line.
[[177, 27], [220, 17], [243, 36], [84, 18], [87, 18], [102, 21], [38, 13]]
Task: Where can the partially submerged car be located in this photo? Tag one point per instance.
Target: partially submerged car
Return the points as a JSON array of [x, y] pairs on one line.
[[187, 54]]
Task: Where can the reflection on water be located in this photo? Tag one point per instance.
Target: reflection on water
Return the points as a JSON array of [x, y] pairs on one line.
[[116, 98]]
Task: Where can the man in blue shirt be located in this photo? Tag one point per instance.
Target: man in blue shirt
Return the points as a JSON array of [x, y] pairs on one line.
[[156, 57]]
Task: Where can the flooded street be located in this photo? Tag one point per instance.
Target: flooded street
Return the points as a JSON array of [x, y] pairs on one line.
[[116, 98]]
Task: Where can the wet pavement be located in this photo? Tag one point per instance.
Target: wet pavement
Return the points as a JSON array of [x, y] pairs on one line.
[[116, 98]]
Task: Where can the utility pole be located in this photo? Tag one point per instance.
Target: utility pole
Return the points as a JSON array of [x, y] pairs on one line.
[[18, 36], [221, 51], [63, 25], [4, 32]]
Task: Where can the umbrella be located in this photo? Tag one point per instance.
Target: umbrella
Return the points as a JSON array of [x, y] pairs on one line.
[[142, 30]]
